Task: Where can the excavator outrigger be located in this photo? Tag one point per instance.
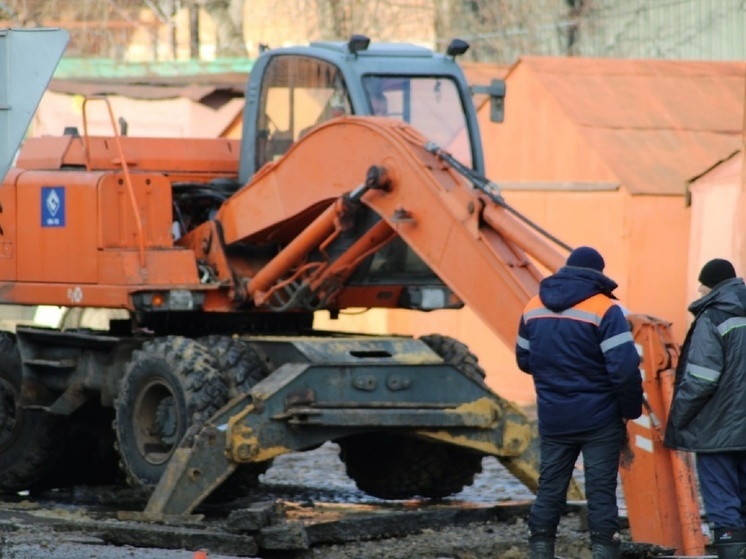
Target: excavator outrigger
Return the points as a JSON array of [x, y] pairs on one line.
[[222, 251]]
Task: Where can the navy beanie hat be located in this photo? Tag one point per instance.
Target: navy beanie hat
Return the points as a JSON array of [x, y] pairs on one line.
[[716, 271], [586, 257]]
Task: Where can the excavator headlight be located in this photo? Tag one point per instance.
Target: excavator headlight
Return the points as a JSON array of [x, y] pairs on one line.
[[180, 300], [432, 298], [172, 300]]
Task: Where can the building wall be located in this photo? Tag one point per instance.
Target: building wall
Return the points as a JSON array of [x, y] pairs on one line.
[[537, 142], [176, 118], [656, 275], [717, 207]]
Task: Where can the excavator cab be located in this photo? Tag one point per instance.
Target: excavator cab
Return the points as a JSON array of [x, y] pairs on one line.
[[292, 90]]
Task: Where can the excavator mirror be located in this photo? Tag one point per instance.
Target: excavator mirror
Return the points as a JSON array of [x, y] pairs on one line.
[[28, 58], [457, 47], [496, 91], [358, 43]]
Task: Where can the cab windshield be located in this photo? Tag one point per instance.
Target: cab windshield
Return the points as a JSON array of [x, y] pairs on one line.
[[298, 93], [432, 105]]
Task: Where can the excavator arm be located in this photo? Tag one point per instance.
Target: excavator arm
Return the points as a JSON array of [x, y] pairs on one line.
[[311, 197]]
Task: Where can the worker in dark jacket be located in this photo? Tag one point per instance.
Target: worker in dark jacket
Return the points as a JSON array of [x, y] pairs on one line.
[[708, 413], [576, 343]]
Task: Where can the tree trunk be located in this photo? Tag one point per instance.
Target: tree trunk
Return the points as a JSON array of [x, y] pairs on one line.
[[230, 42], [194, 31]]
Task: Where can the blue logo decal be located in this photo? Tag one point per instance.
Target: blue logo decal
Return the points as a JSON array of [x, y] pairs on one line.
[[52, 206]]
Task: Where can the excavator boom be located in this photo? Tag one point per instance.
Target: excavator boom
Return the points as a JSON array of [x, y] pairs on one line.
[[470, 242]]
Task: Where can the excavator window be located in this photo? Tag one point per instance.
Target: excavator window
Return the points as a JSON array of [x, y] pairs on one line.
[[431, 104], [297, 93]]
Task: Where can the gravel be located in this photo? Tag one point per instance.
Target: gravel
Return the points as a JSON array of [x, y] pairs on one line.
[[317, 479]]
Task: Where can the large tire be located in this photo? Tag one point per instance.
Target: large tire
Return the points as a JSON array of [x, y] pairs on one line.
[[241, 367], [239, 364], [391, 466], [457, 354], [169, 385], [30, 440]]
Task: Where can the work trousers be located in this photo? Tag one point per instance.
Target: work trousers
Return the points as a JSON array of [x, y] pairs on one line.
[[722, 482], [600, 449]]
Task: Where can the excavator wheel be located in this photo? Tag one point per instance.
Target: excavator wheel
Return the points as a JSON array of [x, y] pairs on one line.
[[169, 385], [457, 354], [30, 440], [391, 466], [239, 364], [241, 367], [396, 467]]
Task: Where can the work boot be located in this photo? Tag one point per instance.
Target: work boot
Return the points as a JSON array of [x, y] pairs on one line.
[[541, 549], [541, 542], [730, 543], [605, 546], [605, 550]]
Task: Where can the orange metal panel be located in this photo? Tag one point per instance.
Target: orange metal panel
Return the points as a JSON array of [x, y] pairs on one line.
[[8, 229], [43, 153], [537, 141], [664, 160], [166, 155], [173, 268], [86, 295], [654, 124], [118, 226], [656, 235], [60, 216], [659, 485]]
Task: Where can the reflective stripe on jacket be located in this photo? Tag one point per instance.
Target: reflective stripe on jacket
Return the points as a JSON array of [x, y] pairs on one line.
[[708, 413], [584, 363]]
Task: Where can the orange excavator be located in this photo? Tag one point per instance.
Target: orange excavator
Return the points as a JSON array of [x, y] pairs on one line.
[[358, 183]]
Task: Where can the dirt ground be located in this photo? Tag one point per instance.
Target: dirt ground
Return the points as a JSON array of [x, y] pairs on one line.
[[485, 521], [28, 535]]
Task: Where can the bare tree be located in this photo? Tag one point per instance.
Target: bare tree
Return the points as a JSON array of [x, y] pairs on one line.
[[193, 30], [102, 28], [228, 18], [502, 30], [336, 18], [165, 11], [385, 20]]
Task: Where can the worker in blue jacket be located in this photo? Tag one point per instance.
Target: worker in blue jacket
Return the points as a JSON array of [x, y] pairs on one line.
[[574, 340]]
